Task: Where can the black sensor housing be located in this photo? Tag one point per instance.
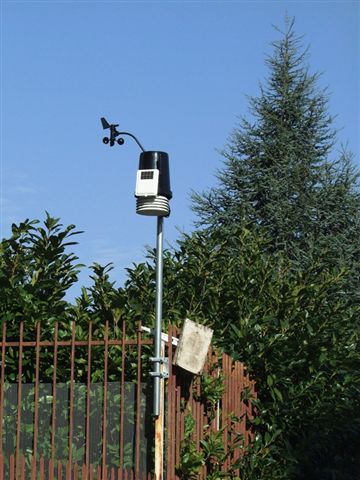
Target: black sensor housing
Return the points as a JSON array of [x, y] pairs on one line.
[[158, 160]]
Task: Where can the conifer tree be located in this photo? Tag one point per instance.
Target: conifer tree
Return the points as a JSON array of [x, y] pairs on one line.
[[279, 174]]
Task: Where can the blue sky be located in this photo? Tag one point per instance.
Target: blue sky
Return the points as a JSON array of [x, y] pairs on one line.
[[176, 74]]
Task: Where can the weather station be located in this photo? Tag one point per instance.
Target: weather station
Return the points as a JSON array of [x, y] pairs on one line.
[[152, 193]]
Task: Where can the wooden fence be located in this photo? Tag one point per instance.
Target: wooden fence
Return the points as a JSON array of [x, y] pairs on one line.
[[78, 407]]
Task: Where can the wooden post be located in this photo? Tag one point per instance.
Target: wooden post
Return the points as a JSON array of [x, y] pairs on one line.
[[159, 426]]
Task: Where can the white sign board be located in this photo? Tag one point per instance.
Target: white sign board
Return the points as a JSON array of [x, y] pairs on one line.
[[193, 347]]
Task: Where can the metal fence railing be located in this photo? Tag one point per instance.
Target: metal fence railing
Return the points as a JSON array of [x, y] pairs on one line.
[[76, 403]]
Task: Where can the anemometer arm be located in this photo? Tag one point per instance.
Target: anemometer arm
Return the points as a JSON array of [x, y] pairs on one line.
[[114, 133], [132, 136]]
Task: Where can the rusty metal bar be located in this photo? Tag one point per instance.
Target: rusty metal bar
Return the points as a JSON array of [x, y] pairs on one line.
[[68, 471], [59, 470], [51, 469], [22, 467], [170, 411], [88, 400], [53, 407], [19, 393], [2, 382], [237, 409], [12, 467], [159, 425], [76, 472], [104, 475], [202, 431], [197, 417], [36, 393], [41, 468], [33, 468], [138, 405], [225, 400], [71, 413], [122, 395], [79, 343], [104, 415], [178, 425]]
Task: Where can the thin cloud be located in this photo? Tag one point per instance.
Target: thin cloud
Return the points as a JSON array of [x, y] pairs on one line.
[[22, 189]]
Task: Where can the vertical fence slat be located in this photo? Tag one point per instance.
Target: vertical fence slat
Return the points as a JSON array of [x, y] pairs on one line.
[[235, 382], [33, 468], [2, 382], [224, 403], [104, 415], [138, 405], [171, 411], [59, 470], [41, 468], [122, 395], [68, 470], [53, 406], [36, 392], [19, 394], [51, 469], [12, 467], [22, 467], [71, 415], [178, 425], [76, 476], [84, 471], [88, 395]]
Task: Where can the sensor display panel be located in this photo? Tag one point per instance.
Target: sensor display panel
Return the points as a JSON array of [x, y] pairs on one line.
[[147, 183]]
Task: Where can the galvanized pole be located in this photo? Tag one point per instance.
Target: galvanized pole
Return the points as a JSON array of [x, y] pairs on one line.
[[159, 357], [158, 315]]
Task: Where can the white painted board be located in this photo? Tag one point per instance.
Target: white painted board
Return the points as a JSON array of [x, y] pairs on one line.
[[193, 347]]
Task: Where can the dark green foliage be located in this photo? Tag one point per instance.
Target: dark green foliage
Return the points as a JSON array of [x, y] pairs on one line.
[[294, 329], [286, 299], [36, 272]]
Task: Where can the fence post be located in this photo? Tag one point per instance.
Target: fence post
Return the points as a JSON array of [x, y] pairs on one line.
[[159, 426]]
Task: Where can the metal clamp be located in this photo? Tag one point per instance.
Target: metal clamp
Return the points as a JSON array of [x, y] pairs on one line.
[[164, 374], [161, 360], [164, 361]]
